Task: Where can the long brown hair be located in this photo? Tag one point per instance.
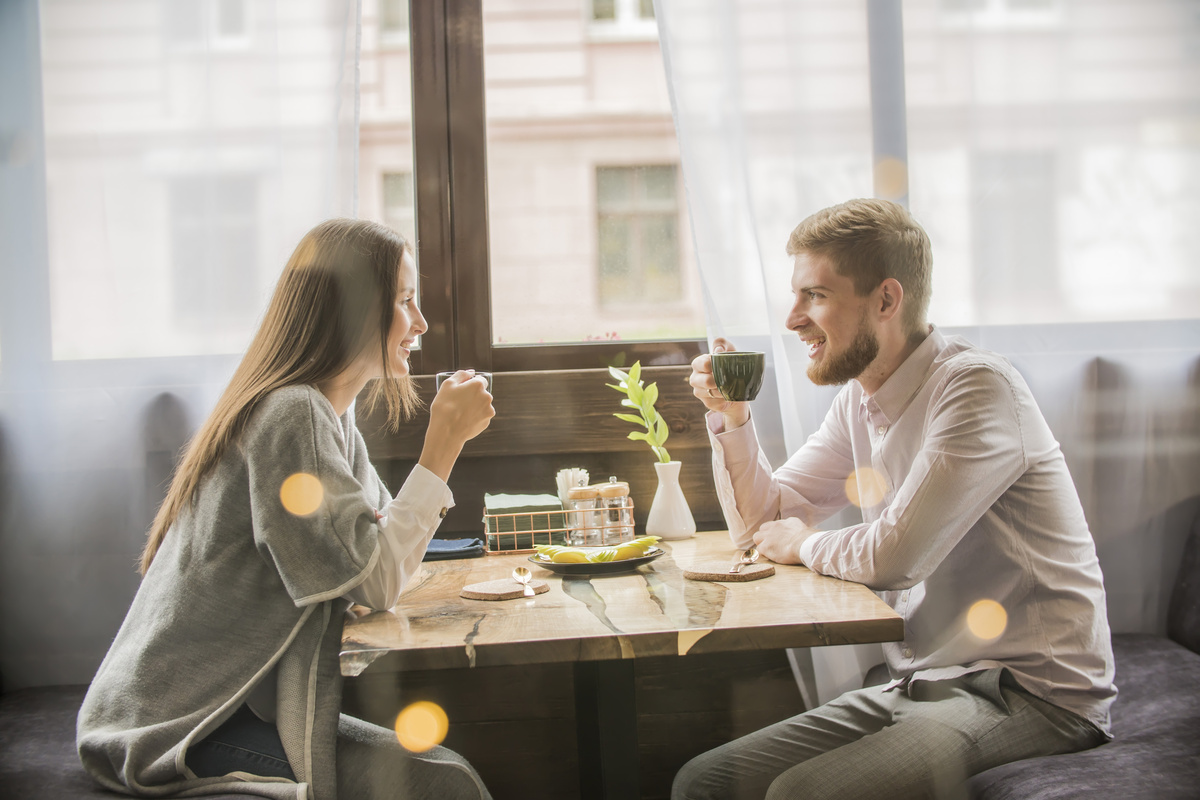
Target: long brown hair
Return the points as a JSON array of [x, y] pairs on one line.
[[343, 271]]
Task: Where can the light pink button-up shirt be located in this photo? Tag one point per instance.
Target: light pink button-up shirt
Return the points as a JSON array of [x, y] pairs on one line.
[[966, 498]]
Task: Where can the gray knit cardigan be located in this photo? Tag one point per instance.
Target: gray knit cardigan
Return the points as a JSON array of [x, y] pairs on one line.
[[241, 586]]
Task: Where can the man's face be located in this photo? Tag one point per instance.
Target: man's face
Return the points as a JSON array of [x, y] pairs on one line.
[[832, 320]]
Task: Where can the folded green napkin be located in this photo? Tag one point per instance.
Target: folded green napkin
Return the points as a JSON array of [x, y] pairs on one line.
[[535, 513]]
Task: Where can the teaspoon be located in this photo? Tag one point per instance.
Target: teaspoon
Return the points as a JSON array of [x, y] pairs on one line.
[[521, 575], [746, 557]]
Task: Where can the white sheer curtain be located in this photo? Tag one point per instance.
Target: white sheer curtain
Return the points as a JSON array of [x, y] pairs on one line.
[[162, 158], [1050, 149]]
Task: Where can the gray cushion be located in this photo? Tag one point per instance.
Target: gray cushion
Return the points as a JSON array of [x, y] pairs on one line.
[[37, 747], [1156, 725], [1183, 614]]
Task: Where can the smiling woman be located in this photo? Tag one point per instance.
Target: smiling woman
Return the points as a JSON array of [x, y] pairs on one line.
[[274, 523]]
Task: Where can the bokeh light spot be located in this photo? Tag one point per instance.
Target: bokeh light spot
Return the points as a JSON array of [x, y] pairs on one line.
[[987, 619], [891, 178], [301, 494], [421, 726], [865, 487]]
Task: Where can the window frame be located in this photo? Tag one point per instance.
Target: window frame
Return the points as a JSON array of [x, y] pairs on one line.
[[450, 178]]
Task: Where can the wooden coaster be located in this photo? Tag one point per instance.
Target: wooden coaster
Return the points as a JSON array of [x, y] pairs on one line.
[[503, 589], [719, 571]]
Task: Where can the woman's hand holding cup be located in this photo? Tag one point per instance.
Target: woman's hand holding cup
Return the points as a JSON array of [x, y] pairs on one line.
[[461, 410], [463, 403]]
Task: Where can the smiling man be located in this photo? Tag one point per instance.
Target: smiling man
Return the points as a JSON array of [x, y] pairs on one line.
[[972, 530]]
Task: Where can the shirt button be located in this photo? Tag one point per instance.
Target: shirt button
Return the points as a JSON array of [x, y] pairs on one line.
[[881, 430], [908, 653], [442, 513]]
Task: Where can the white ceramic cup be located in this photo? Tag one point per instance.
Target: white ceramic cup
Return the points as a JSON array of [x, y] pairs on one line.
[[441, 376]]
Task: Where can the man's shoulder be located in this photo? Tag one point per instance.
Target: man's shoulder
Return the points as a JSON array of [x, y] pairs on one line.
[[961, 356]]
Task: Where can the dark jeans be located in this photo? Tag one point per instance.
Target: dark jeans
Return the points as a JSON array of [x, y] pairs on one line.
[[243, 743]]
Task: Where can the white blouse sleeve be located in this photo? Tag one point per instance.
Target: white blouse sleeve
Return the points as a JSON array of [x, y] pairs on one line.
[[408, 523]]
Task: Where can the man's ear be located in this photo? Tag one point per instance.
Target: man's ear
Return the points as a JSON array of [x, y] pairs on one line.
[[890, 296]]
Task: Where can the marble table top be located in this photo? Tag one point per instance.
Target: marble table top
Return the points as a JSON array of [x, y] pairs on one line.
[[652, 611]]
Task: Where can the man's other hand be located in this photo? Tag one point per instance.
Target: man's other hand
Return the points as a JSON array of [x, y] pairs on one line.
[[780, 540]]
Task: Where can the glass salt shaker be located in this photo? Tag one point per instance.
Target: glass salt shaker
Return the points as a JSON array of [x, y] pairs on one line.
[[583, 518], [618, 516]]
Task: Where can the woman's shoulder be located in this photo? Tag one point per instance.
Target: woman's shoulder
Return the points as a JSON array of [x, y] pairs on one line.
[[298, 404]]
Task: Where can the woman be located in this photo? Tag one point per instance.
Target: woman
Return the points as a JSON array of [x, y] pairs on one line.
[[225, 671]]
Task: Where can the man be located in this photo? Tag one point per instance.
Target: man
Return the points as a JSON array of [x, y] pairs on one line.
[[972, 531]]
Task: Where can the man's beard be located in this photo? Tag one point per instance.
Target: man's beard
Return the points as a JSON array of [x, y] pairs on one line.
[[840, 368]]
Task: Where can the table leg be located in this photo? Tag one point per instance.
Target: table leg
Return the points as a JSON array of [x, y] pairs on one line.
[[606, 722]]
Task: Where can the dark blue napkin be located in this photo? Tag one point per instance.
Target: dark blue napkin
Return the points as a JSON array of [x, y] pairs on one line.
[[440, 549]]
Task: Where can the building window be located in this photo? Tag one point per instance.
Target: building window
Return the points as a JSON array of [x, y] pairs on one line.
[[1013, 237], [213, 23], [508, 210], [638, 234], [1001, 14], [622, 19], [393, 21], [399, 211], [214, 249]]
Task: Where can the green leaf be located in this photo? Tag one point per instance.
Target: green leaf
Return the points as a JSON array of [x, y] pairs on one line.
[[622, 388], [638, 436], [651, 395], [661, 430], [618, 375], [661, 452], [633, 419], [635, 372], [630, 404], [636, 394]]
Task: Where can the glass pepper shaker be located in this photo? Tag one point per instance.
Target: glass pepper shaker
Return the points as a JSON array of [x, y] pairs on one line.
[[583, 519], [618, 514]]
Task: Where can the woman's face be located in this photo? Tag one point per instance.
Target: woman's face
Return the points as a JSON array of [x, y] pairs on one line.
[[407, 322]]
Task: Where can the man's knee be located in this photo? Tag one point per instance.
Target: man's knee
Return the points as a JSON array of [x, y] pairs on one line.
[[696, 781], [686, 780]]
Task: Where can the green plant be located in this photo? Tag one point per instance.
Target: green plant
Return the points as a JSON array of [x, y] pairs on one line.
[[642, 399]]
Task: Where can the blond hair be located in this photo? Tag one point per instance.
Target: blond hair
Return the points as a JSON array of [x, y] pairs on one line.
[[869, 241], [341, 273]]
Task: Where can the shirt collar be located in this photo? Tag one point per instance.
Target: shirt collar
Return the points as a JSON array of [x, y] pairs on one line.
[[898, 390]]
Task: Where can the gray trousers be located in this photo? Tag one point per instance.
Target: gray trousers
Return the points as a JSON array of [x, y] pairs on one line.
[[923, 740], [371, 765]]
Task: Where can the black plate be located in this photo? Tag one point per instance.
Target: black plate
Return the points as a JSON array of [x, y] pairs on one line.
[[601, 568]]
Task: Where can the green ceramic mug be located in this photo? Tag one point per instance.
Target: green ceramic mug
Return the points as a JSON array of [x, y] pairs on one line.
[[739, 375]]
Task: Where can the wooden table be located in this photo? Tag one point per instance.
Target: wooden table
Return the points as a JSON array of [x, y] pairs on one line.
[[601, 623]]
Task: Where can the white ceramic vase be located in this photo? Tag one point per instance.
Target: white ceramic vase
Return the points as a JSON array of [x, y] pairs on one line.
[[670, 517]]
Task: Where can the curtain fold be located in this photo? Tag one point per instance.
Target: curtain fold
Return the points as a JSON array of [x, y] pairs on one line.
[[1052, 155], [177, 151]]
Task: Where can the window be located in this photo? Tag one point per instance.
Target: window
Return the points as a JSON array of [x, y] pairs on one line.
[[180, 171], [1013, 237], [399, 211], [214, 250], [1000, 14], [531, 111], [638, 232], [393, 21], [220, 23], [622, 19]]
